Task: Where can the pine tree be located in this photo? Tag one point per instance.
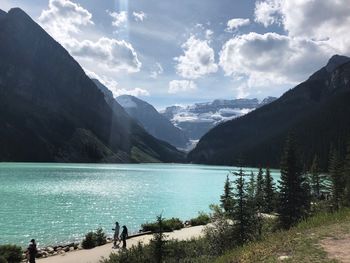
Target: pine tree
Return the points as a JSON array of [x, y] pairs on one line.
[[227, 199], [158, 241], [260, 184], [316, 181], [243, 213], [269, 193], [293, 197], [338, 182], [346, 175]]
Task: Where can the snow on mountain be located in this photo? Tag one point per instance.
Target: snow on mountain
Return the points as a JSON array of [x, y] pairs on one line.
[[199, 118]]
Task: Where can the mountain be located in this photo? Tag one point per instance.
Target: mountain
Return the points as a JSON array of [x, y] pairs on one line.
[[51, 111], [153, 122], [198, 119], [316, 111]]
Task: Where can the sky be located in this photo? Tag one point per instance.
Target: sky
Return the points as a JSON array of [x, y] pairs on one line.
[[185, 51]]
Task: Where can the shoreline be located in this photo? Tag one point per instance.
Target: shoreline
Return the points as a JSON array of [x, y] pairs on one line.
[[94, 255]]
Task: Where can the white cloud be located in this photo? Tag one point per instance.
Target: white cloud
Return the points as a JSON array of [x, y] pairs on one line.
[[176, 86], [113, 86], [322, 20], [208, 34], [198, 59], [266, 12], [139, 16], [64, 17], [272, 58], [158, 71], [137, 92], [119, 19], [115, 55], [242, 91], [314, 31], [235, 23]]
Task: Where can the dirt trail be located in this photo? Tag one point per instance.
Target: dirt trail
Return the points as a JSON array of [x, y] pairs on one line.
[[337, 248]]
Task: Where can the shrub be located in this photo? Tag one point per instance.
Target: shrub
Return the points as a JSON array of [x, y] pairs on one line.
[[93, 239], [201, 219], [139, 254], [194, 251], [89, 241], [11, 253], [168, 225], [3, 260], [100, 237]]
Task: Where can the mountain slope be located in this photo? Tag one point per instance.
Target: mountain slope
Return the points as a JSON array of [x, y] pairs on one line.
[[196, 120], [317, 111], [51, 111], [153, 122]]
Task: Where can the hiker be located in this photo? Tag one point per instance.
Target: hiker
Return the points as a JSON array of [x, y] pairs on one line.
[[124, 236], [31, 251], [116, 234]]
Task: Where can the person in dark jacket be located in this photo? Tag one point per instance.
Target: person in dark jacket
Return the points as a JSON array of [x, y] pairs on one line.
[[116, 235], [32, 251], [124, 235]]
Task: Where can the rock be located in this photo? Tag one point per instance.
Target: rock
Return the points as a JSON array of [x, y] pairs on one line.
[[71, 248], [66, 249], [282, 258], [50, 250]]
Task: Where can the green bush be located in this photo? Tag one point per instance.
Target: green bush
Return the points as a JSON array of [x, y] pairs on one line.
[[3, 260], [89, 241], [139, 254], [101, 237], [194, 251], [201, 219], [11, 253], [168, 225], [93, 239]]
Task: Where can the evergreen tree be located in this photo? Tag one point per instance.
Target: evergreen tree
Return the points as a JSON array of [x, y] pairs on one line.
[[338, 183], [251, 189], [317, 182], [243, 213], [346, 175], [227, 199], [293, 196], [260, 191], [268, 193], [158, 241]]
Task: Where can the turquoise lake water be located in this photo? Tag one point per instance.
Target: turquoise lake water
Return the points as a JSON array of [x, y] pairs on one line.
[[58, 203]]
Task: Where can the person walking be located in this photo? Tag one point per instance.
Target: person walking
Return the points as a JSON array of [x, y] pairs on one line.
[[32, 251], [116, 235], [124, 236]]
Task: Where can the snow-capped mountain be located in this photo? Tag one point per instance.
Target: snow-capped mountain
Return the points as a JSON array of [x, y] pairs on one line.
[[199, 118]]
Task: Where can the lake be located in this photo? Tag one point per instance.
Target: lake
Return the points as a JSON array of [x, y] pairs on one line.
[[59, 203]]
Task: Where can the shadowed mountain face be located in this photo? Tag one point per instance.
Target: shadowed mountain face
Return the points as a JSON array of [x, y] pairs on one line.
[[316, 111], [51, 111], [153, 122]]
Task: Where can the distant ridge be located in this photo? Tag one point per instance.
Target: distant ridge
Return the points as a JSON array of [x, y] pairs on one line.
[[197, 119], [153, 122]]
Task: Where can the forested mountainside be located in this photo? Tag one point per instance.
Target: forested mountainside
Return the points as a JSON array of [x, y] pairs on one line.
[[317, 112], [51, 111]]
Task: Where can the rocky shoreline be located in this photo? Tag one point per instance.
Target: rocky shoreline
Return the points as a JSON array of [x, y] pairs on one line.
[[49, 251]]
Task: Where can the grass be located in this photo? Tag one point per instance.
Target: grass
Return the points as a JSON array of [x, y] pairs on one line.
[[300, 244]]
